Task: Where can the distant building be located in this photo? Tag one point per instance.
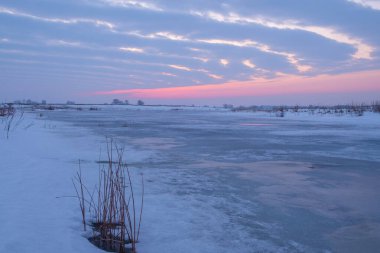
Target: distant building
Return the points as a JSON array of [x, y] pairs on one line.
[[140, 102]]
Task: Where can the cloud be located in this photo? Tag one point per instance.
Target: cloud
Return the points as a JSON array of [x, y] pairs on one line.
[[198, 50], [202, 59], [95, 22], [248, 64], [224, 62], [168, 35], [363, 50], [133, 4], [373, 4], [215, 76], [159, 35], [292, 58], [168, 74], [64, 43], [132, 49], [180, 67], [204, 71], [235, 43]]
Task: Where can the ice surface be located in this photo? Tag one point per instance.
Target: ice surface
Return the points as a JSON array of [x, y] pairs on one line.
[[216, 181]]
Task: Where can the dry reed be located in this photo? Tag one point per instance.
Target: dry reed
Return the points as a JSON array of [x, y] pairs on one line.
[[114, 217]]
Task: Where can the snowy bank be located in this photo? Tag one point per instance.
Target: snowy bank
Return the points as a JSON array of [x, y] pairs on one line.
[[37, 213]]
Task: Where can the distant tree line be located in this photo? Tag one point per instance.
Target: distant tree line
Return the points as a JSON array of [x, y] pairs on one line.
[[353, 109], [125, 102]]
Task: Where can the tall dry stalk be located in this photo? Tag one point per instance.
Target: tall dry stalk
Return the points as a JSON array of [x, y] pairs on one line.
[[80, 195], [114, 215]]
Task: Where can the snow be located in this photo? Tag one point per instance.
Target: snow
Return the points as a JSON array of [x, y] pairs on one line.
[[215, 180], [36, 171]]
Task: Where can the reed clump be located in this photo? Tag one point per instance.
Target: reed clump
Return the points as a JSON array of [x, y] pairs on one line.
[[114, 215], [10, 118]]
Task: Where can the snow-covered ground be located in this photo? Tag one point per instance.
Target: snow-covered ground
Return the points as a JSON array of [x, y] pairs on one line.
[[36, 214], [215, 181]]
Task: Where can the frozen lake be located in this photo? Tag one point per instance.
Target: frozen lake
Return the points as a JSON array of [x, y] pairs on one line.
[[218, 181]]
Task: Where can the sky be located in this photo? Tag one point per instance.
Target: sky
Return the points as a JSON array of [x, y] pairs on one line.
[[209, 52]]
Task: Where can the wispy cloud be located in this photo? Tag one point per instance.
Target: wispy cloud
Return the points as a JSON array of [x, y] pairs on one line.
[[363, 50], [224, 62], [168, 74], [132, 49], [198, 50], [170, 36], [95, 22], [235, 43], [215, 76], [291, 57], [180, 67], [202, 59], [64, 43], [204, 71], [133, 4], [248, 64], [159, 35], [373, 4]]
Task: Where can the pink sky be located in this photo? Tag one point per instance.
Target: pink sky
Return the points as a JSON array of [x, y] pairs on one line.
[[348, 86]]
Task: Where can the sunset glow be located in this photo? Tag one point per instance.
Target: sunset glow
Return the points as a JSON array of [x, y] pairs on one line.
[[282, 85]]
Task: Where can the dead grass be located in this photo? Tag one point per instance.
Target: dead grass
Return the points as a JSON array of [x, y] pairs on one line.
[[114, 216], [10, 118]]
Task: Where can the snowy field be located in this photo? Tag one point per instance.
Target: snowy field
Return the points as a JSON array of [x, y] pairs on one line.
[[215, 180]]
